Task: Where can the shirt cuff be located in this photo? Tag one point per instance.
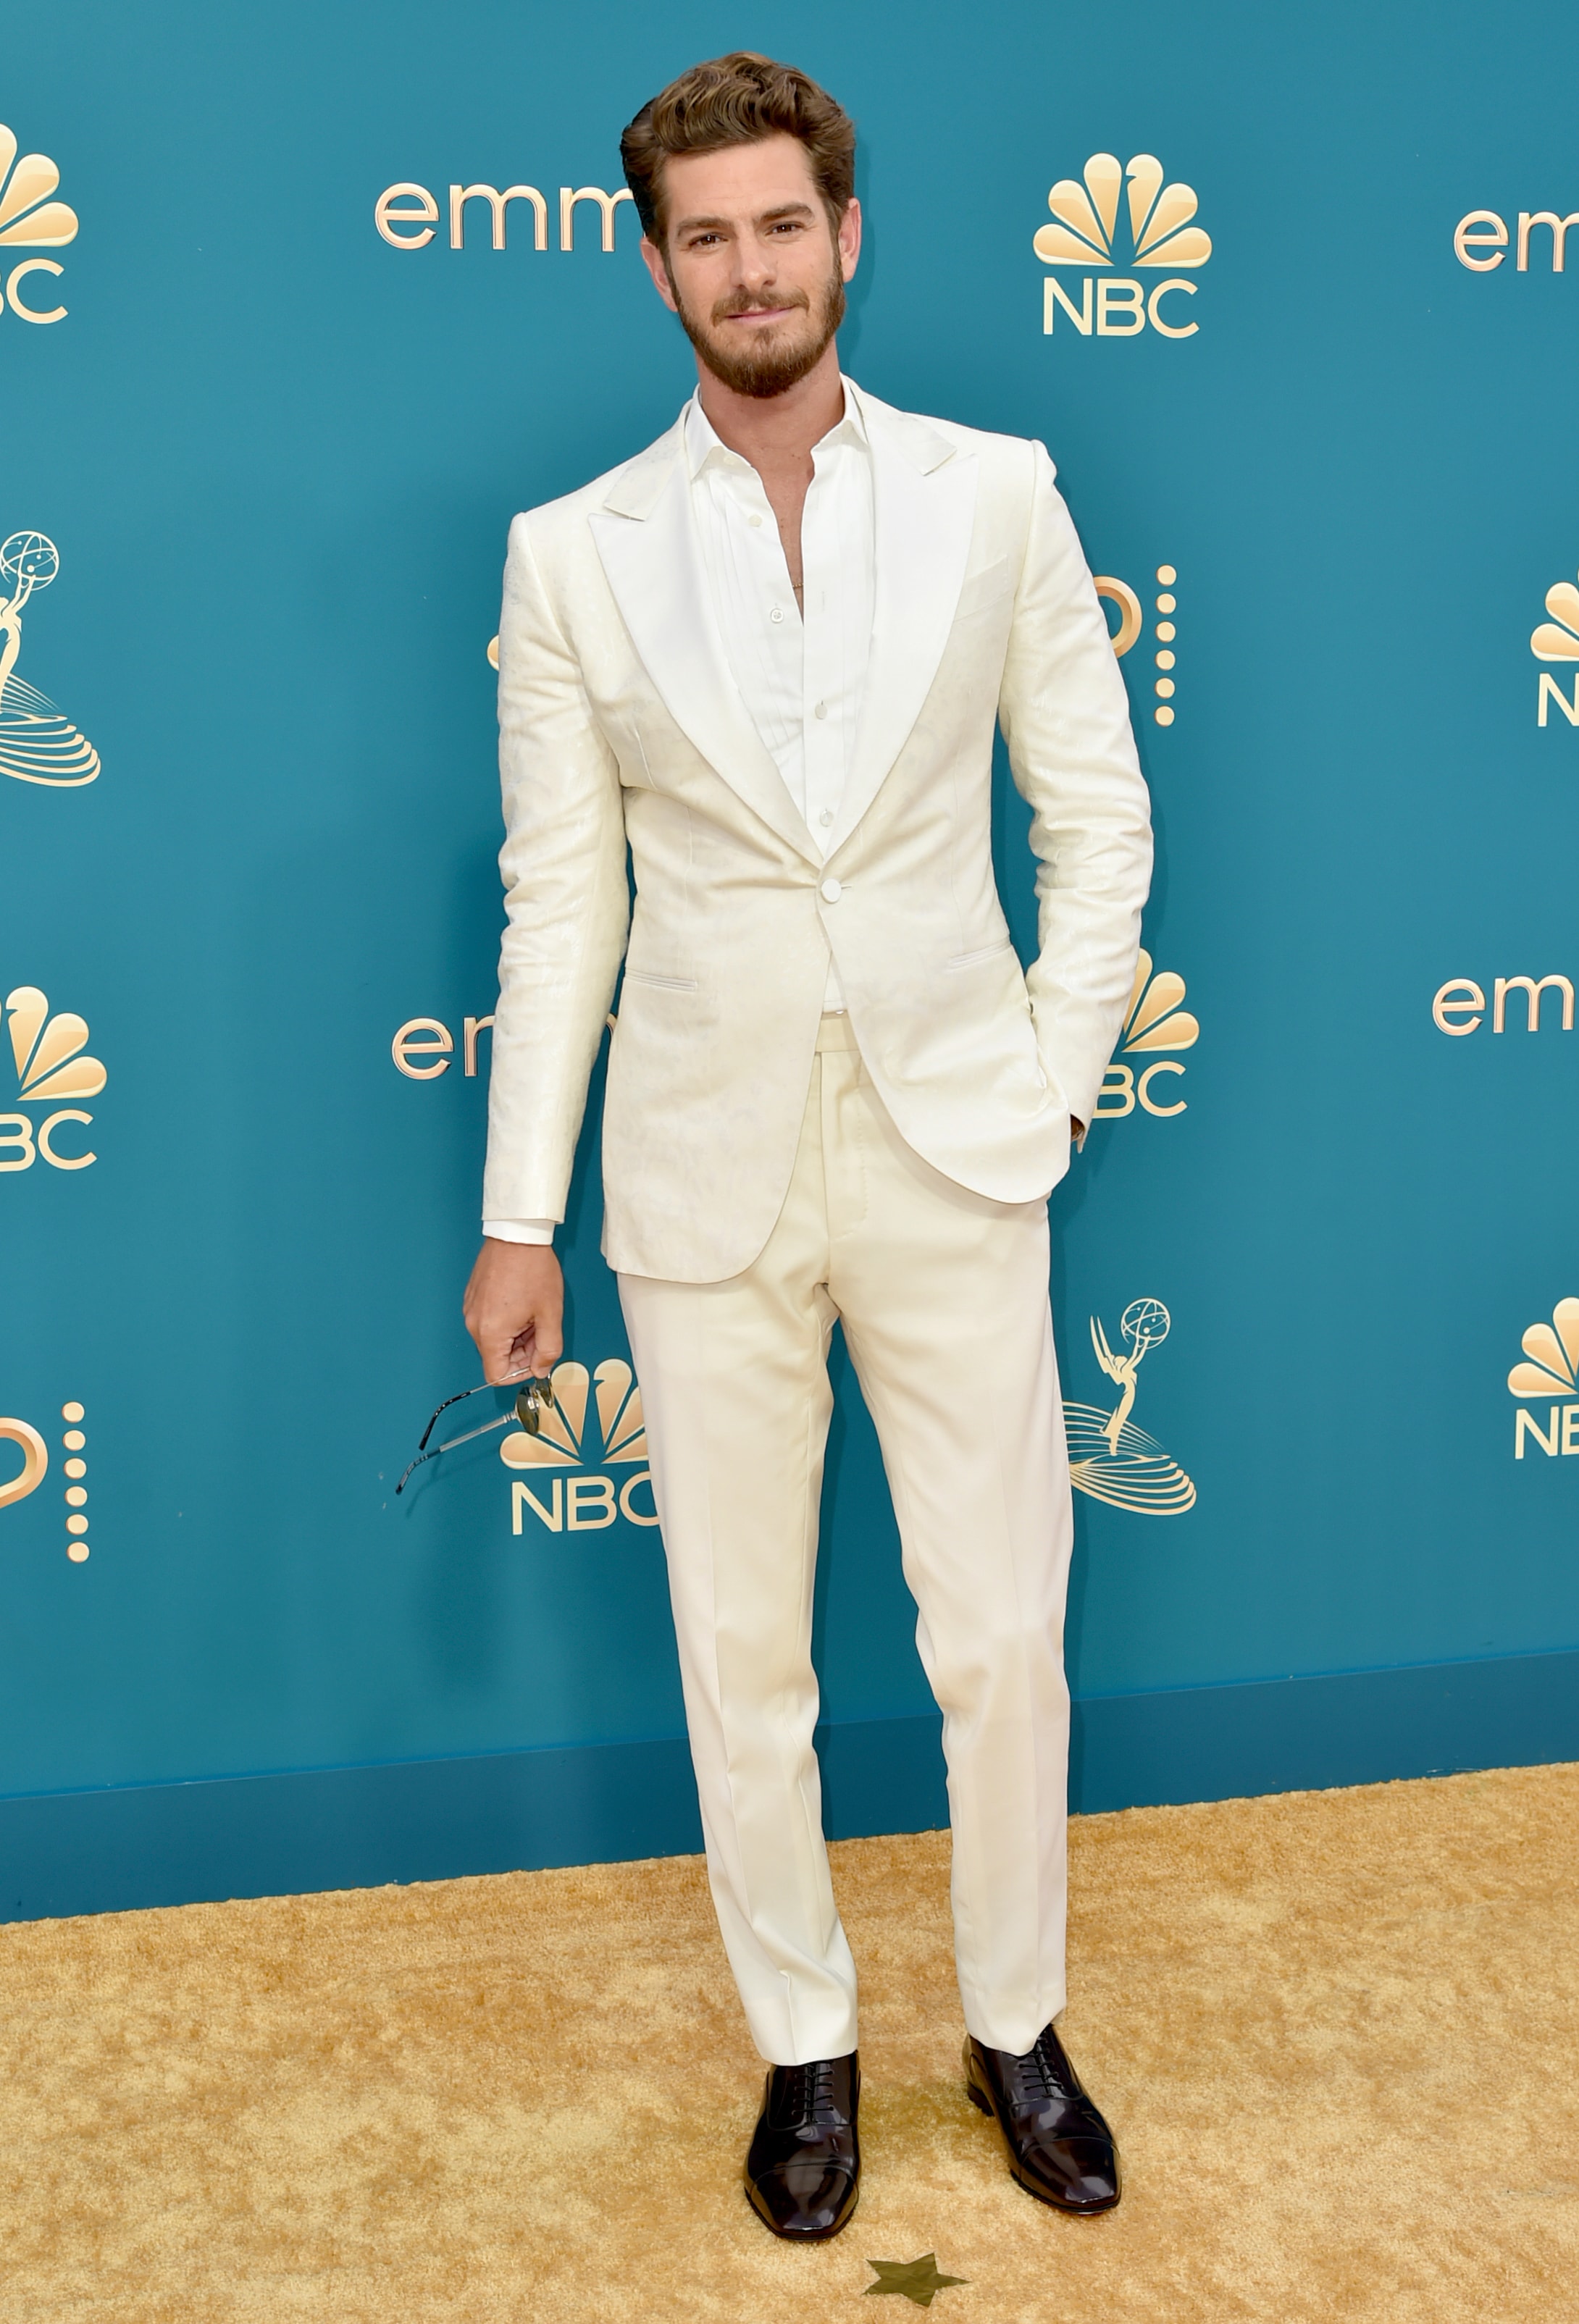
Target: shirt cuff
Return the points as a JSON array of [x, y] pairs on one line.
[[538, 1230]]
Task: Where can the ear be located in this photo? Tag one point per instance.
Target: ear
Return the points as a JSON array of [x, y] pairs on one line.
[[653, 258], [849, 239]]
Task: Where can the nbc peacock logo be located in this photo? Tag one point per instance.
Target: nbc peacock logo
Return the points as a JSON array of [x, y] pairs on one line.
[[1557, 641], [1158, 232], [50, 1054], [30, 220], [579, 1495], [1550, 1371], [1109, 1457], [1155, 1027]]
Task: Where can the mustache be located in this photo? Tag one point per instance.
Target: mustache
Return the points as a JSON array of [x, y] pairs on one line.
[[739, 302]]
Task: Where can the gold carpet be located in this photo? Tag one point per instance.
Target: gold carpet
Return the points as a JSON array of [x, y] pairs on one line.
[[1336, 2032]]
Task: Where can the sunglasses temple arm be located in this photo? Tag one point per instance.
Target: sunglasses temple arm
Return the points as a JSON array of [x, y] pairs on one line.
[[460, 1397], [414, 1465], [449, 1443]]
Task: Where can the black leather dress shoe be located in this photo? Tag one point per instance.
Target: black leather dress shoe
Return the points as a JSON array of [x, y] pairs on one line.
[[803, 2172], [1060, 2150]]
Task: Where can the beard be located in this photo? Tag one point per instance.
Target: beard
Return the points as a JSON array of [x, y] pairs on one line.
[[778, 359]]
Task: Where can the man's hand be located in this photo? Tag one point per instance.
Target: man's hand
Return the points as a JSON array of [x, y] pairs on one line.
[[515, 1309]]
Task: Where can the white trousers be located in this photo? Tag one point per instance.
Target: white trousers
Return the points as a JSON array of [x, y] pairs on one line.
[[943, 1296]]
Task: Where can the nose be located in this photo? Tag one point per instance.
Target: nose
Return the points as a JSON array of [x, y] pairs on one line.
[[756, 262]]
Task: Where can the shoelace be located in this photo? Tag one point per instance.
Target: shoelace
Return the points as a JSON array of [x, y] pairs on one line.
[[807, 2095], [1043, 2073]]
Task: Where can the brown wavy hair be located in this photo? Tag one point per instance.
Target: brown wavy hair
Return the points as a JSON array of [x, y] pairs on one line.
[[738, 100]]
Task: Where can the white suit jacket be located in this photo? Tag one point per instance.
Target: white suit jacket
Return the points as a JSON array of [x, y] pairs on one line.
[[620, 725]]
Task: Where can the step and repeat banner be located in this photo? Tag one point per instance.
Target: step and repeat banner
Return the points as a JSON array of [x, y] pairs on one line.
[[299, 307]]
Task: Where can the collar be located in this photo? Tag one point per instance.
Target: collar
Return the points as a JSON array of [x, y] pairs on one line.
[[704, 445]]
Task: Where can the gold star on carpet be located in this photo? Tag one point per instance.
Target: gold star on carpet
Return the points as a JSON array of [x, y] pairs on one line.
[[912, 2279]]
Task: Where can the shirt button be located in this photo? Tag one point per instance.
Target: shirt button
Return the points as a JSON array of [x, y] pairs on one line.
[[826, 816], [821, 711], [755, 523], [777, 614], [832, 889]]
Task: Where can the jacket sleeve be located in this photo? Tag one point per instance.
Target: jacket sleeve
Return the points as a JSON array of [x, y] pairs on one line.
[[566, 898], [1064, 713]]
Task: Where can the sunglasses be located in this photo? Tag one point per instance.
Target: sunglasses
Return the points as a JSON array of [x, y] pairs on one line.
[[534, 1399]]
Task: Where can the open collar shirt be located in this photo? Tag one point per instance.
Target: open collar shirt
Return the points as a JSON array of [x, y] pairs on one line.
[[802, 675]]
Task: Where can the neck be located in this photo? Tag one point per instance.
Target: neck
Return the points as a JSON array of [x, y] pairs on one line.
[[776, 428]]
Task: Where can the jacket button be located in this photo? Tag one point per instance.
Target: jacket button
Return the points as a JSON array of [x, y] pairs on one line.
[[832, 889]]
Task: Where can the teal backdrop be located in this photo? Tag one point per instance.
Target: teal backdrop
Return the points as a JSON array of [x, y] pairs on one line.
[[277, 453]]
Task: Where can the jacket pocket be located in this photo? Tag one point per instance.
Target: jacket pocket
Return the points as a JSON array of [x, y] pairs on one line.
[[983, 952], [988, 587], [660, 984]]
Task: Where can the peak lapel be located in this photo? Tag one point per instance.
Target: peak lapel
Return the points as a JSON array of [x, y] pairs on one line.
[[647, 546], [924, 504]]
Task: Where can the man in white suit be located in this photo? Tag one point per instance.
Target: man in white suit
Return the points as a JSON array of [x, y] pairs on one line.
[[766, 656]]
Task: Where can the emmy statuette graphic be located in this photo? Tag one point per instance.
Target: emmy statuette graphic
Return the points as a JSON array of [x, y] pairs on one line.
[[1109, 1457], [38, 744]]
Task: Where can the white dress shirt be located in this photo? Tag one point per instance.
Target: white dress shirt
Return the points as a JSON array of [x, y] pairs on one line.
[[802, 675]]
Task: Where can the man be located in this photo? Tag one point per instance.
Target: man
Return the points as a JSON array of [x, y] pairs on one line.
[[767, 655]]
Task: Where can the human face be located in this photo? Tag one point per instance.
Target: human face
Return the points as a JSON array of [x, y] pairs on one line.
[[751, 263]]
